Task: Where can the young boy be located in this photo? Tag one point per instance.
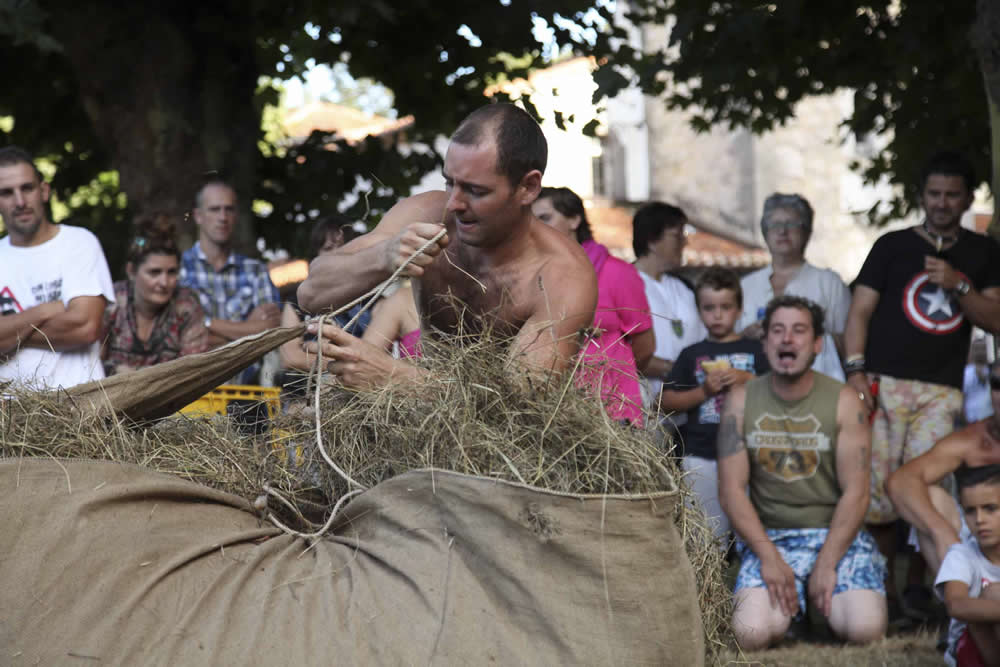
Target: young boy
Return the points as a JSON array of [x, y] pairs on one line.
[[969, 578], [700, 378]]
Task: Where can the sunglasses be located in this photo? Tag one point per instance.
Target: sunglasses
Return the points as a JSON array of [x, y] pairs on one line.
[[994, 383]]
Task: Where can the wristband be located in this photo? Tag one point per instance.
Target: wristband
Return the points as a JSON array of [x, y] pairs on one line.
[[854, 364]]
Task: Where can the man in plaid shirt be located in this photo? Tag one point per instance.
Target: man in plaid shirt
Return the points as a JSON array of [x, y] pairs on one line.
[[235, 291]]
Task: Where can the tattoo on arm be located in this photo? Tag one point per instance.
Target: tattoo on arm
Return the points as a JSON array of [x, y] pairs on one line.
[[862, 418], [864, 457], [730, 439]]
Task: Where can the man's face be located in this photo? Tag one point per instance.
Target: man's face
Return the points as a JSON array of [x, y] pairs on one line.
[[981, 503], [22, 201], [719, 310], [945, 198], [482, 203], [790, 343], [216, 215], [785, 235], [670, 246]]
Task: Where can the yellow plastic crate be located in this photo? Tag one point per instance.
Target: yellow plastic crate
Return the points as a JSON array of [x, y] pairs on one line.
[[216, 401]]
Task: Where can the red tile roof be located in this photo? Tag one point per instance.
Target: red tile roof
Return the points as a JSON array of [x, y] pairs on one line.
[[343, 122], [612, 226]]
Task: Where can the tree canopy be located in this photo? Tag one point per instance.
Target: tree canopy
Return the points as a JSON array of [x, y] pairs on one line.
[[164, 93], [918, 84]]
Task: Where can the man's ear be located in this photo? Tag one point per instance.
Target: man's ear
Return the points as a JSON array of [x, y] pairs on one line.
[[818, 345], [531, 187], [46, 190]]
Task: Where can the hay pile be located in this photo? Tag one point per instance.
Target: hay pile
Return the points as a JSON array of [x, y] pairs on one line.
[[472, 415]]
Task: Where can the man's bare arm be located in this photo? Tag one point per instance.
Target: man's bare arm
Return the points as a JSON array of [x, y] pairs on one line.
[[853, 464], [658, 368], [353, 269], [859, 317], [263, 317], [15, 329], [983, 308], [909, 487], [78, 325]]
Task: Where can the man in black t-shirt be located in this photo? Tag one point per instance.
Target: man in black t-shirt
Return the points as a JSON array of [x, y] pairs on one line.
[[919, 293]]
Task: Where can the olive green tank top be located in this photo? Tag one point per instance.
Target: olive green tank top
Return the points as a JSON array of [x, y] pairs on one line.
[[792, 448]]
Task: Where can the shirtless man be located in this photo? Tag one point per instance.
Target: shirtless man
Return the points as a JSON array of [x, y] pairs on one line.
[[496, 259], [914, 488]]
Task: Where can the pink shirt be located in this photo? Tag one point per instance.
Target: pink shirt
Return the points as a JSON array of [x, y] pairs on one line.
[[409, 344], [622, 311]]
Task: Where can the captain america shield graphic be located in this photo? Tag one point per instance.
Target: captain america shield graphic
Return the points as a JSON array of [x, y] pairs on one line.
[[930, 307]]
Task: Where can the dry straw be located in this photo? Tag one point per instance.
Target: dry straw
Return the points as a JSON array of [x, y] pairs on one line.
[[474, 413]]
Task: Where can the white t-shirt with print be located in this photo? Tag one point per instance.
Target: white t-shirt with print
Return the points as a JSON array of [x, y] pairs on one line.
[[68, 265], [676, 323], [966, 563]]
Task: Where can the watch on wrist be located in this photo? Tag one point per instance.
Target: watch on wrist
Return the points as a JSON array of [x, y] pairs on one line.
[[962, 288]]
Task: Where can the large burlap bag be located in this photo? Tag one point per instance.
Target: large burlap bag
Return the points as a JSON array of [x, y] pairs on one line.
[[104, 563]]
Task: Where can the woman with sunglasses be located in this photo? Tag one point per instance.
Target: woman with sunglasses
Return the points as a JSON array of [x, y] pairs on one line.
[[787, 224], [624, 342], [152, 320]]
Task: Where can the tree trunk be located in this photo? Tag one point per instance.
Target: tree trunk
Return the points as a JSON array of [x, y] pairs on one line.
[[986, 38], [171, 96]]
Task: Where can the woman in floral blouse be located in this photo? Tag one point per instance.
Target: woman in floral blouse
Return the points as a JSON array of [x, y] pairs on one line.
[[152, 320]]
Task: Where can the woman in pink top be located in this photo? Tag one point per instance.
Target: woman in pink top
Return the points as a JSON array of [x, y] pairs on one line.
[[395, 319], [626, 343]]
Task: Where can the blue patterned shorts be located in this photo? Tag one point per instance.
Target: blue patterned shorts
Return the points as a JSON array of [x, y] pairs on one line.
[[861, 568]]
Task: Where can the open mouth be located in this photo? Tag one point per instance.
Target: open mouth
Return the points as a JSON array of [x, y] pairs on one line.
[[786, 355]]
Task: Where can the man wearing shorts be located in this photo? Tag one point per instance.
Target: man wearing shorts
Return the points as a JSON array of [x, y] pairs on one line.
[[801, 442], [919, 293], [915, 489]]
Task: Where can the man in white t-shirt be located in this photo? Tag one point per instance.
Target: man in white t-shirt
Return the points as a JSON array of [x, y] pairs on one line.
[[658, 240], [54, 286], [787, 224]]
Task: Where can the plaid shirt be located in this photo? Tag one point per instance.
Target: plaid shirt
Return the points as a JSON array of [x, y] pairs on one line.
[[229, 294], [178, 330]]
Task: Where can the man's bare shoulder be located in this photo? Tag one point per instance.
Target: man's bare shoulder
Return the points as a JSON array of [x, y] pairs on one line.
[[560, 256], [423, 207]]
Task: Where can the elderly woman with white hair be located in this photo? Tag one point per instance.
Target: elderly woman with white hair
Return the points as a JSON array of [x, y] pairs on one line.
[[787, 224]]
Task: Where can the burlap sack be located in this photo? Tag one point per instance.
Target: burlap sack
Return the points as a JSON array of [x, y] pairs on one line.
[[161, 390], [103, 563]]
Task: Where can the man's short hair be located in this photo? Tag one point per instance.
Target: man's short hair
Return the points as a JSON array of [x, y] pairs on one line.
[[11, 155], [649, 223], [568, 203], [520, 144], [212, 178], [795, 203], [949, 163], [798, 302], [719, 278], [966, 476]]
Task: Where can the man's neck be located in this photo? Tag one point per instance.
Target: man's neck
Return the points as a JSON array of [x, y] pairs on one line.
[[515, 247], [792, 389], [46, 232], [216, 254]]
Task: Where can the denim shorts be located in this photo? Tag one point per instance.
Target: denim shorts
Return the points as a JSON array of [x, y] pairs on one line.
[[861, 568]]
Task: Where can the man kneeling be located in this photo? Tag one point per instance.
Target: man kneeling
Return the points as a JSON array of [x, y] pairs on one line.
[[802, 443]]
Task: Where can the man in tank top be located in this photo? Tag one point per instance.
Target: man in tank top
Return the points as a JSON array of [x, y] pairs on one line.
[[801, 442]]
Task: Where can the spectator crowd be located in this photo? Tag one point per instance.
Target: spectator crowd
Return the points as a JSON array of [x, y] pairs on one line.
[[821, 428]]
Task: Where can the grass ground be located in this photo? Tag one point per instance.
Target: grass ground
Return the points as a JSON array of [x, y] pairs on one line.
[[915, 650]]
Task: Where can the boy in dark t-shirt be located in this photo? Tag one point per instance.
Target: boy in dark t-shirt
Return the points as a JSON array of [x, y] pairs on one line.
[[700, 378]]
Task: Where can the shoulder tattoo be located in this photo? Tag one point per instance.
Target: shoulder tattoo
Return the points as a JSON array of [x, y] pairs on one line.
[[730, 439]]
